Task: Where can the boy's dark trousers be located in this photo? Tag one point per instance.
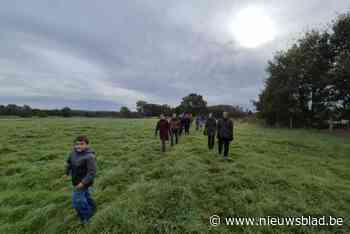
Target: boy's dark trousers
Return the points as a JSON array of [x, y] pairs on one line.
[[211, 140], [83, 204], [224, 143], [174, 133]]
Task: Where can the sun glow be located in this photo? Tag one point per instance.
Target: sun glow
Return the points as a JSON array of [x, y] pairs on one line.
[[251, 27]]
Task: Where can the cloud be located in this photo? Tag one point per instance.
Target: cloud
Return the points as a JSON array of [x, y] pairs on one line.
[[101, 55]]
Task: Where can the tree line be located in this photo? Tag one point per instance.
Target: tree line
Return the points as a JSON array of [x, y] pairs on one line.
[[309, 83], [27, 111], [193, 103]]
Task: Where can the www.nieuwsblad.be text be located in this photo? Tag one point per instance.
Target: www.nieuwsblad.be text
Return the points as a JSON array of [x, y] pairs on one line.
[[216, 220]]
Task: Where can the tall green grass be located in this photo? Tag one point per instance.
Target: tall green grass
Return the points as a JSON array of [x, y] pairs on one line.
[[138, 189]]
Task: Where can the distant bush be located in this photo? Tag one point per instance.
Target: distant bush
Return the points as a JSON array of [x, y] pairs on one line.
[[42, 114]]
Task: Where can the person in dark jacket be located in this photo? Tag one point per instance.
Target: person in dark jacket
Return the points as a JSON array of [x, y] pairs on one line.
[[182, 123], [209, 130], [164, 128], [174, 129], [187, 124], [81, 166], [224, 134]]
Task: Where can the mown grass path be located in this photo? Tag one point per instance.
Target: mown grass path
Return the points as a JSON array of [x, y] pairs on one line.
[[272, 172]]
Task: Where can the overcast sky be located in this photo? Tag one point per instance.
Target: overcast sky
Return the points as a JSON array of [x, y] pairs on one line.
[[104, 54]]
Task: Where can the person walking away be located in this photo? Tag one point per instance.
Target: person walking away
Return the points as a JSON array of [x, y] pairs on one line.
[[191, 117], [197, 122], [81, 166], [180, 129], [163, 128], [174, 129], [224, 134], [201, 122], [182, 123], [187, 123], [209, 130]]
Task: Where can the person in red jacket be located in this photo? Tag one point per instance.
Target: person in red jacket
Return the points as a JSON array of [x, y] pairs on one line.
[[164, 128]]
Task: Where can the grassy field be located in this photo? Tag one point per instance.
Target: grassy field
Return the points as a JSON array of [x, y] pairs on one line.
[[272, 172]]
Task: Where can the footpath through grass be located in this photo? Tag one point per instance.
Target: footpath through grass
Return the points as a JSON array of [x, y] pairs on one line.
[[272, 172]]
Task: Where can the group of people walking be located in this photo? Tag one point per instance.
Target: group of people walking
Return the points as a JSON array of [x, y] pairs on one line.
[[81, 162], [222, 129], [173, 127]]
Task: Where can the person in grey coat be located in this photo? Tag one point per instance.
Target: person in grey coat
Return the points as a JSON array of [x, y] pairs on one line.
[[81, 166], [209, 130], [224, 134]]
